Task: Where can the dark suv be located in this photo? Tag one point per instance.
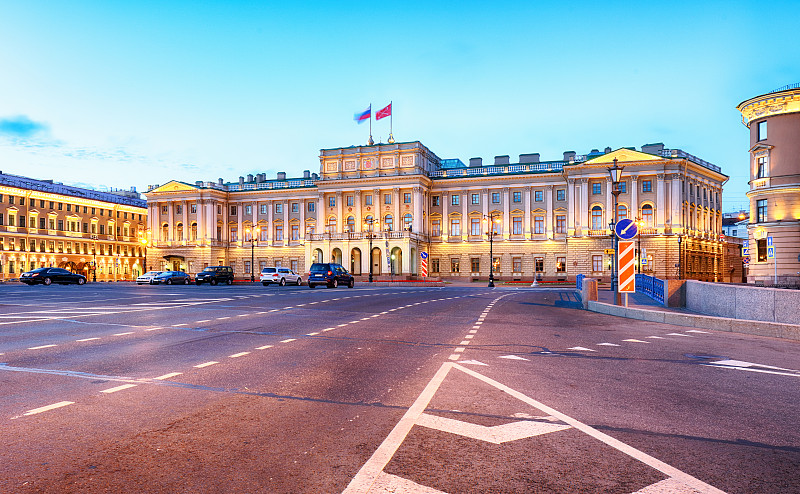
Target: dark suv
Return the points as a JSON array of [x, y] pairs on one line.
[[330, 274], [214, 275]]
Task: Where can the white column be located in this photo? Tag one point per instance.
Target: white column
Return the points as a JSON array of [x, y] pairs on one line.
[[464, 212], [609, 203], [171, 227], [398, 221], [240, 222], [506, 214], [445, 217], [285, 217], [676, 200], [357, 204], [634, 213], [584, 206], [186, 229], [548, 204], [526, 218], [320, 214], [270, 223], [201, 221], [303, 219], [660, 202], [339, 219], [571, 197], [417, 197]]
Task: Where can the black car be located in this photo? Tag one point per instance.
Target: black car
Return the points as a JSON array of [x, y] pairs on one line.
[[330, 274], [47, 276], [171, 278], [214, 275]]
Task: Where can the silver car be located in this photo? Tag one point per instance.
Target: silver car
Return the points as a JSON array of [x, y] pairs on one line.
[[147, 277], [281, 276]]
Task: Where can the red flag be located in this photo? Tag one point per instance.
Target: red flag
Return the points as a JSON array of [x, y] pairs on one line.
[[386, 112]]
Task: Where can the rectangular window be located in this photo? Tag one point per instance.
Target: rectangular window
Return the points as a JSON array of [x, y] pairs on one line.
[[279, 233], [42, 224], [561, 195], [407, 197], [561, 223], [293, 265], [248, 210], [761, 171], [263, 209], [61, 225], [247, 267], [434, 265], [295, 207], [69, 207], [61, 206], [331, 202], [495, 198], [517, 196], [516, 225], [496, 265], [538, 264], [279, 207], [234, 234], [193, 209], [647, 186], [516, 264], [561, 264], [436, 200], [762, 250], [233, 210], [295, 232], [350, 201], [454, 199], [455, 227], [475, 226], [102, 229], [597, 188], [762, 130], [387, 198], [475, 264], [178, 209], [476, 198], [538, 195], [761, 210], [597, 264], [368, 200], [622, 187], [454, 265], [311, 207], [538, 224], [436, 228]]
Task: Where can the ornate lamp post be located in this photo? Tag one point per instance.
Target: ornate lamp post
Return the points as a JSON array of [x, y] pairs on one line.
[[144, 241], [616, 177], [491, 222], [253, 232], [94, 259], [368, 226]]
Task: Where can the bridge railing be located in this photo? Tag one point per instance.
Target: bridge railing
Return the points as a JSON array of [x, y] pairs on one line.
[[651, 286]]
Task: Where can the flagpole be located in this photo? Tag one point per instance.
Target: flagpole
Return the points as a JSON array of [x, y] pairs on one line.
[[391, 120], [371, 142]]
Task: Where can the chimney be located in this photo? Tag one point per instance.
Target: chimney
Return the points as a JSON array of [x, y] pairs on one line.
[[220, 182], [241, 180], [607, 150], [529, 158], [475, 162], [653, 148], [569, 155], [501, 160], [306, 174], [315, 176], [281, 175], [250, 177]]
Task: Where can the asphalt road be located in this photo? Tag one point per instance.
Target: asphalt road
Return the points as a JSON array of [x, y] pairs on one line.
[[123, 388]]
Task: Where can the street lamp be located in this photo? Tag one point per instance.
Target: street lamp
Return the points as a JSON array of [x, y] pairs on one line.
[[616, 177], [491, 222], [680, 256], [253, 232], [368, 226], [144, 241], [640, 223], [94, 259]]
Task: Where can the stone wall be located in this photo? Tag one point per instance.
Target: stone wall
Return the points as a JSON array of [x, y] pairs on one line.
[[744, 302]]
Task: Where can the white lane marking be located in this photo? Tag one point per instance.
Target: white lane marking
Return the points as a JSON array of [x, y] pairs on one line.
[[384, 312], [365, 318], [181, 324], [274, 310], [240, 354], [465, 342], [263, 347], [312, 303], [122, 334], [459, 349], [300, 305], [750, 369], [40, 347], [226, 317], [454, 356], [476, 327], [696, 331], [473, 362], [607, 344], [513, 357], [497, 434], [632, 340], [469, 336], [473, 331], [203, 320], [261, 312], [328, 329], [118, 388], [656, 337], [312, 334], [387, 483], [582, 349], [167, 376], [375, 315], [205, 364], [289, 340], [342, 325], [47, 408], [242, 315], [652, 462], [477, 324], [679, 334], [287, 308], [667, 486], [88, 339]]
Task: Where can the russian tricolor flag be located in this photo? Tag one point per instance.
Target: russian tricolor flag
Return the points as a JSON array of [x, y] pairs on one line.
[[365, 115]]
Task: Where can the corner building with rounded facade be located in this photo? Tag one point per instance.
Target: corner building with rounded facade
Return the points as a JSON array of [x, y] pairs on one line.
[[379, 207], [774, 123]]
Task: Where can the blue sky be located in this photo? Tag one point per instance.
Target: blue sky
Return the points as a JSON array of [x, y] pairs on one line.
[[122, 94]]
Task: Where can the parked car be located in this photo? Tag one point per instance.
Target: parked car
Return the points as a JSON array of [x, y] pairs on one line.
[[330, 274], [171, 278], [281, 276], [147, 277], [214, 275], [47, 276]]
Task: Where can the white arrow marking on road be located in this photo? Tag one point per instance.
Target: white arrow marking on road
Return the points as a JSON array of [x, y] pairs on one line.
[[473, 362], [497, 434], [668, 486], [582, 349], [386, 483], [752, 367], [513, 357]]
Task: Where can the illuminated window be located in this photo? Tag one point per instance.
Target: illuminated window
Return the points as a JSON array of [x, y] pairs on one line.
[[761, 210], [475, 226], [454, 265], [538, 264], [388, 221], [516, 264], [597, 264], [496, 265], [436, 228], [561, 264], [647, 215], [407, 219], [597, 218], [538, 224], [516, 225], [455, 227], [561, 223]]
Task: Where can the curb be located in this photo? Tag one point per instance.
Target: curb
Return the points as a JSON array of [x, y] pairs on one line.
[[758, 328]]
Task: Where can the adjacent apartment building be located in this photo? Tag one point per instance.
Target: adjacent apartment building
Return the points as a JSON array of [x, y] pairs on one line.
[[382, 208], [46, 224], [774, 228]]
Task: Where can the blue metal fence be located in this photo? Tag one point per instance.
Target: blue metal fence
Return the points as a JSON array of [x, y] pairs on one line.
[[650, 286], [579, 281]]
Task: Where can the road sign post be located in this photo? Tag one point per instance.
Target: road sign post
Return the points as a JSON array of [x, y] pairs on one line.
[[771, 255], [423, 256], [627, 268]]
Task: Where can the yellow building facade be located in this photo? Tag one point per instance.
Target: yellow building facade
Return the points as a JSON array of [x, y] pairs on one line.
[[46, 224], [377, 208]]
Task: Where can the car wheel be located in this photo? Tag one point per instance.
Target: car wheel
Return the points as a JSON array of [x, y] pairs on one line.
[[81, 281], [334, 283], [186, 281], [47, 281], [169, 281], [213, 282], [282, 282], [311, 285], [299, 281], [351, 283], [229, 281]]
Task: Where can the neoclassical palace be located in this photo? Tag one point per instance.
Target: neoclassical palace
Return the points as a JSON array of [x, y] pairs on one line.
[[47, 224], [383, 207]]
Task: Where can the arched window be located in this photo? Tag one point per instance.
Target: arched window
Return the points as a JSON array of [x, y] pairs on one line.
[[164, 232], [647, 215], [597, 218], [369, 224], [622, 212], [194, 232], [179, 232], [331, 224], [351, 224], [388, 222], [407, 221]]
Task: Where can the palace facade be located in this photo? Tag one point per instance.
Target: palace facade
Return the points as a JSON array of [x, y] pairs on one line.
[[774, 123], [46, 224], [378, 208]]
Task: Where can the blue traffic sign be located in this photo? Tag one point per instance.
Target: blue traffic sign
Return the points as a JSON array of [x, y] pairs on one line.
[[626, 229], [770, 252], [769, 241], [423, 255]]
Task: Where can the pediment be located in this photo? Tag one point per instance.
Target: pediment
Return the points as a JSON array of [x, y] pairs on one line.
[[623, 155], [173, 186]]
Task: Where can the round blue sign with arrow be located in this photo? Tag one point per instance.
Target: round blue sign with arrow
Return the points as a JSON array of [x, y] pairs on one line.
[[626, 229]]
